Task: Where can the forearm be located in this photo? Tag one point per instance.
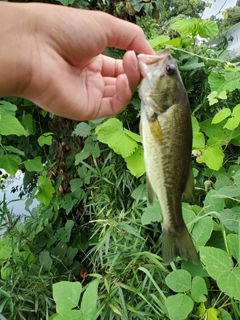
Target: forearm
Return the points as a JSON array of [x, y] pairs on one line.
[[15, 49]]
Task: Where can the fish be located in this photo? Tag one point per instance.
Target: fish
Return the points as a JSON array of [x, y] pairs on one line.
[[166, 132]]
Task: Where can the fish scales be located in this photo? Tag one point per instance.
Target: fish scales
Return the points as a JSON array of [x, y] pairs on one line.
[[167, 140]]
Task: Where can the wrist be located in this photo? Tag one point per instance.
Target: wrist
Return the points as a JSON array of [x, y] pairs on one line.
[[15, 49]]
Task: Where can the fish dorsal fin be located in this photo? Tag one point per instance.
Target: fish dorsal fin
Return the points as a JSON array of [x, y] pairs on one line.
[[150, 192], [189, 188]]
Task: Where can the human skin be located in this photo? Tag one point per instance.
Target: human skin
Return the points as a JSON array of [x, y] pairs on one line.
[[52, 55]]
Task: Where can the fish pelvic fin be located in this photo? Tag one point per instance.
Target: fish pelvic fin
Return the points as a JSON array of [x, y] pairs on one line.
[[150, 192], [178, 243]]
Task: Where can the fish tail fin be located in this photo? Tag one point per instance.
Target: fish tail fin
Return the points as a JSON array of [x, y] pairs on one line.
[[178, 243]]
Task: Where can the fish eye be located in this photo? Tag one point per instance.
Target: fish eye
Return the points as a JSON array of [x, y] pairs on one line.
[[170, 70]]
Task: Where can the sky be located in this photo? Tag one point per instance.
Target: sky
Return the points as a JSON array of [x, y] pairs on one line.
[[216, 6]]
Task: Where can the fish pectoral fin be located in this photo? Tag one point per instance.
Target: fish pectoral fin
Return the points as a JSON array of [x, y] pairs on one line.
[[156, 130], [178, 243], [150, 192], [189, 188]]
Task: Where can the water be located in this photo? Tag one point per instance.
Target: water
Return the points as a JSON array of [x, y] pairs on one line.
[[15, 204]]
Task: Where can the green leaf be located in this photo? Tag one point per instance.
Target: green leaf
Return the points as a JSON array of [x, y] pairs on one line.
[[112, 133], [179, 306], [215, 130], [7, 109], [222, 95], [71, 253], [221, 115], [228, 191], [10, 163], [13, 150], [155, 42], [151, 214], [69, 315], [5, 252], [213, 141], [202, 230], [199, 289], [45, 260], [198, 140], [192, 64], [224, 314], [216, 82], [92, 147], [184, 27], [135, 163], [229, 282], [45, 138], [66, 295], [82, 130], [44, 191], [225, 80], [10, 125], [139, 193], [208, 29], [79, 157], [232, 78], [232, 123], [236, 111], [34, 164], [175, 42], [195, 124], [76, 184], [216, 260], [188, 214], [89, 300], [212, 98], [133, 135], [194, 270], [213, 157], [230, 219], [233, 244], [29, 124], [211, 203], [236, 178], [63, 234], [66, 2], [213, 314], [179, 281]]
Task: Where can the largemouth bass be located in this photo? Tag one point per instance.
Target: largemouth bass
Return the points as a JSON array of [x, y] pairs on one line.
[[166, 132]]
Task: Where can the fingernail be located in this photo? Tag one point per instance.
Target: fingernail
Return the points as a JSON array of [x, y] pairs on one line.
[[134, 60], [126, 83]]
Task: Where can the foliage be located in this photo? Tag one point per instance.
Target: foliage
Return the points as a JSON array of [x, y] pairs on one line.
[[232, 16], [92, 247]]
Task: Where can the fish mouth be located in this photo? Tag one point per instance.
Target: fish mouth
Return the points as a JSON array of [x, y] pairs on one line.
[[146, 60], [154, 58]]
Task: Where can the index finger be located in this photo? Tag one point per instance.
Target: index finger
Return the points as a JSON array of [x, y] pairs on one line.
[[123, 34]]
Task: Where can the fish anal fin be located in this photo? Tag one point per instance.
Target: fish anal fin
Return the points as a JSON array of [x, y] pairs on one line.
[[150, 192], [189, 188], [178, 243]]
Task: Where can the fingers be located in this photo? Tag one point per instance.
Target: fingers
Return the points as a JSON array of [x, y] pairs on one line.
[[129, 66], [124, 35], [114, 103]]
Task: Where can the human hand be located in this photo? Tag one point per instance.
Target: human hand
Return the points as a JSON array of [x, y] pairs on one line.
[[61, 65]]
